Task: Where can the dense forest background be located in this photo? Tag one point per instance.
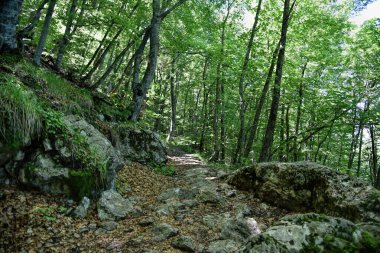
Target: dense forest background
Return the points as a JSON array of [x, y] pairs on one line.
[[295, 81]]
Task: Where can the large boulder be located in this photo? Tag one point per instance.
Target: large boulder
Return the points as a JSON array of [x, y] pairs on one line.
[[140, 145], [43, 173], [98, 142], [61, 164], [112, 206], [313, 233], [307, 186]]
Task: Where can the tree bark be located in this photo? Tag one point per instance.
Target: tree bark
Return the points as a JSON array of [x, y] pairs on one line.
[[269, 134], [102, 56], [241, 140], [375, 167], [260, 105], [44, 32], [112, 65], [9, 13], [27, 29], [216, 153], [299, 110], [204, 106], [173, 101], [141, 89], [64, 41]]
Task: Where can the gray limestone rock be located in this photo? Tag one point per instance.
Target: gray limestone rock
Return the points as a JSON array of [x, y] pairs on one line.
[[81, 210], [163, 231], [305, 186], [184, 243], [112, 206]]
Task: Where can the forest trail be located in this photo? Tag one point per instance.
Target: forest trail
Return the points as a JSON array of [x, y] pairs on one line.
[[193, 211]]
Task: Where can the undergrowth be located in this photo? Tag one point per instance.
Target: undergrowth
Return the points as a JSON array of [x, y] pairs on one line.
[[20, 112]]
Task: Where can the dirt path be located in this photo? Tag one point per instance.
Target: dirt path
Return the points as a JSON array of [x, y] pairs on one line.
[[195, 203]]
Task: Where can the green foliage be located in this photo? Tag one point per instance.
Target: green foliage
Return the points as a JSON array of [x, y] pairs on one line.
[[19, 112], [166, 169], [47, 212]]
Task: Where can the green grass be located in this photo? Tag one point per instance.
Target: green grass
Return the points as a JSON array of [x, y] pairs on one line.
[[20, 112], [62, 93]]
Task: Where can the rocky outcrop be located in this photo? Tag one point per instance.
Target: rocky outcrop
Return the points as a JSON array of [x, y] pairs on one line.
[[45, 174], [313, 233], [59, 163], [140, 145], [112, 206], [310, 187], [98, 142]]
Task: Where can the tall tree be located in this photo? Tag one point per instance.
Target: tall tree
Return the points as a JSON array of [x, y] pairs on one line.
[[67, 34], [240, 139], [44, 33], [9, 13], [269, 133]]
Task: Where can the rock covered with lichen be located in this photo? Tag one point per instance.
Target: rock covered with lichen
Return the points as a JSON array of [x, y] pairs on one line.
[[313, 233], [140, 145], [305, 186]]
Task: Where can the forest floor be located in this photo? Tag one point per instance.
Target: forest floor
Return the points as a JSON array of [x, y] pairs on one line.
[[35, 222]]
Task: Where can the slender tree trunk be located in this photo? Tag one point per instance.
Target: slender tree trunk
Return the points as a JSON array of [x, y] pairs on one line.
[[269, 134], [157, 123], [98, 49], [173, 100], [241, 140], [375, 167], [44, 33], [142, 88], [222, 123], [102, 56], [25, 32], [360, 152], [112, 66], [281, 155], [353, 142], [299, 110], [204, 106], [64, 41], [287, 132], [216, 153], [260, 105], [9, 12]]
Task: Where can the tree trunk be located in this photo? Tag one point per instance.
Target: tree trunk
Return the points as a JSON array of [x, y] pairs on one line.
[[222, 123], [375, 167], [204, 106], [260, 105], [9, 12], [112, 66], [25, 32], [216, 153], [241, 140], [64, 41], [173, 101], [269, 133], [44, 33], [102, 56], [98, 49], [353, 142], [281, 155], [360, 152], [141, 89], [299, 110]]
